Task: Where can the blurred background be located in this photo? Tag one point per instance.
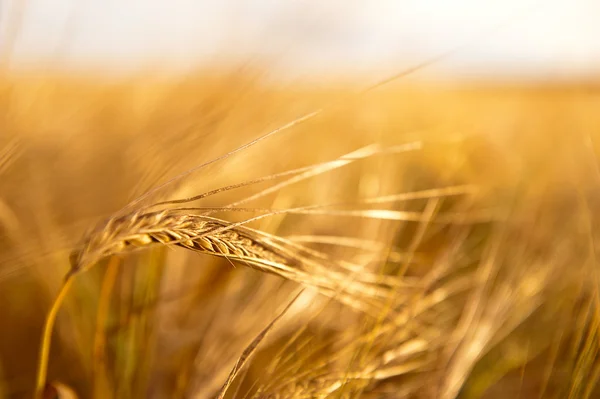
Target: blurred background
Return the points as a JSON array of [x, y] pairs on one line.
[[509, 39], [504, 98]]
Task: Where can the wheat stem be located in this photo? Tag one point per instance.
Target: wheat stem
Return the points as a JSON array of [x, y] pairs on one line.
[[47, 336], [108, 283]]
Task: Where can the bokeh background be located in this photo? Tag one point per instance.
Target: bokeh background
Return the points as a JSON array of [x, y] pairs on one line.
[[100, 101]]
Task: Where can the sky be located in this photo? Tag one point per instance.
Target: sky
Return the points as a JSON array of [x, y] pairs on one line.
[[520, 38]]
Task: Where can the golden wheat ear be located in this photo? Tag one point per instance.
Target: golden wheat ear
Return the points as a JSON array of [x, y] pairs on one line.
[[261, 251]]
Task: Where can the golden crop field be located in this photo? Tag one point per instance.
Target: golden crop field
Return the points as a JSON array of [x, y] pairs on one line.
[[415, 241]]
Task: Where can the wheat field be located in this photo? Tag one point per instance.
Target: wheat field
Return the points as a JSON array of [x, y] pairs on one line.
[[415, 241]]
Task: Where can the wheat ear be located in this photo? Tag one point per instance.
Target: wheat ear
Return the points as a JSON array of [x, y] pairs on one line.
[[218, 238]]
